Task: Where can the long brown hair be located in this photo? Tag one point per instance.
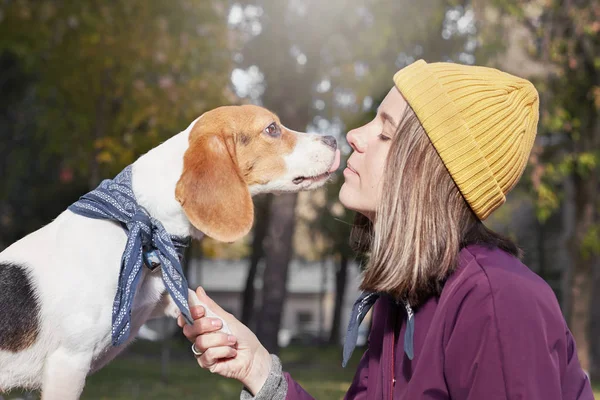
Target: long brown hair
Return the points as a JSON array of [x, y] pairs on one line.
[[421, 223]]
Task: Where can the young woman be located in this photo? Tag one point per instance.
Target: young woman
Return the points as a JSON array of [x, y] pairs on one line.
[[456, 314]]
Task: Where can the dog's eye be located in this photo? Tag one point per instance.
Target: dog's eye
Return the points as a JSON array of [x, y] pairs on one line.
[[273, 130]]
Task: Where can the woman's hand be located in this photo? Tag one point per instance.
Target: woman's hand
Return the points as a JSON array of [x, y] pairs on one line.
[[239, 356]]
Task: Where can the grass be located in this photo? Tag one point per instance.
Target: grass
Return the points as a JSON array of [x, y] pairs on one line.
[[137, 375]]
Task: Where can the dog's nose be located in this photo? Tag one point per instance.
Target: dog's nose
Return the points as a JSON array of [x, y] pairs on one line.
[[329, 141]]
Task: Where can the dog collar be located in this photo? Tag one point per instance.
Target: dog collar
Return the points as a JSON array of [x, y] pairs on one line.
[[147, 243]]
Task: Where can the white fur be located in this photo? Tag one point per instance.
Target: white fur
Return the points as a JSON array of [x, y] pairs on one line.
[[309, 158], [74, 264]]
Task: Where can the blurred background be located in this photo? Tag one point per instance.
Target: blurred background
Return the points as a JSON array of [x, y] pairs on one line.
[[88, 86]]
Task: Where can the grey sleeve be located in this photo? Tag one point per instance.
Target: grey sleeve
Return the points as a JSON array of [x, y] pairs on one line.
[[275, 387]]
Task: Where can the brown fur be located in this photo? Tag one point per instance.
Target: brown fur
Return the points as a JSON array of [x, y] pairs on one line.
[[25, 340], [228, 152]]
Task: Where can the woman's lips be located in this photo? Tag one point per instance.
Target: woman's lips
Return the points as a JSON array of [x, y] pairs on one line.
[[350, 170]]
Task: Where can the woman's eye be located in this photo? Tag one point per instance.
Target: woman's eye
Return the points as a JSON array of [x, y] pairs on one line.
[[272, 130], [384, 138]]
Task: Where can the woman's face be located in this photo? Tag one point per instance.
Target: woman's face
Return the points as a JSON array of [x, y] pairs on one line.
[[371, 143]]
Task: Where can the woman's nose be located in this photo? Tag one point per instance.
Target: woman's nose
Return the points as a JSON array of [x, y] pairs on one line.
[[354, 140]]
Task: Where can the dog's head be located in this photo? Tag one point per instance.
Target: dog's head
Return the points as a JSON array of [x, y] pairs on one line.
[[238, 151]]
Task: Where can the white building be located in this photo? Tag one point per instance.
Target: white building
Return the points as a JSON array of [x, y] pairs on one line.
[[310, 301]]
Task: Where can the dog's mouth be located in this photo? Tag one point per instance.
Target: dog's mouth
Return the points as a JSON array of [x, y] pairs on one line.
[[301, 179], [315, 178]]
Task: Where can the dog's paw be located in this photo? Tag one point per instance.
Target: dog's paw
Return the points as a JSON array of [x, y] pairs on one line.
[[166, 308], [194, 301], [171, 310]]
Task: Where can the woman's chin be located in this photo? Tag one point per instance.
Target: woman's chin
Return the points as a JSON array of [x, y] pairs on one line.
[[350, 198], [345, 196]]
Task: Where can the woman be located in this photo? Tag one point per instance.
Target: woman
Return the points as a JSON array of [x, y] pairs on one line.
[[456, 315]]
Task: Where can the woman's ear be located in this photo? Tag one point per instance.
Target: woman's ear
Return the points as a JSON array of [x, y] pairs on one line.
[[211, 190]]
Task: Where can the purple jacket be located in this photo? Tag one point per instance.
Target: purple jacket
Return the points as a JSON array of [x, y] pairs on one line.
[[496, 332]]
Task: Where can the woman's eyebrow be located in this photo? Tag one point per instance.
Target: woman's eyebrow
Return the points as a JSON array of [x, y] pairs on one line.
[[387, 117]]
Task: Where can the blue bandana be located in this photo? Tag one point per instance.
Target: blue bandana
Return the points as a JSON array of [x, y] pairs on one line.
[[361, 307], [147, 243]]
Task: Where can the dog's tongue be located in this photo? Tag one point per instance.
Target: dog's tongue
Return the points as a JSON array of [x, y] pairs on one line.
[[336, 162]]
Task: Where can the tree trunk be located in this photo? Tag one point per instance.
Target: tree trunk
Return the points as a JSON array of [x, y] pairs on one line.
[[260, 231], [278, 248], [322, 293], [583, 244], [568, 224], [581, 294], [340, 294], [541, 248], [582, 283]]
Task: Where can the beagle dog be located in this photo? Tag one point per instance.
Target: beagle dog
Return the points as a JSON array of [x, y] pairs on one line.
[[58, 284]]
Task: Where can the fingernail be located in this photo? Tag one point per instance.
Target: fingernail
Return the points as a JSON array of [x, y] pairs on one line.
[[216, 323], [231, 339]]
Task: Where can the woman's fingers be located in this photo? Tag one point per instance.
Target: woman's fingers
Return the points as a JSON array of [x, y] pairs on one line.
[[210, 357], [197, 312], [218, 339], [201, 326]]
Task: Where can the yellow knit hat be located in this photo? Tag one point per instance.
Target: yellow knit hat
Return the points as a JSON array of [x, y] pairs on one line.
[[481, 121]]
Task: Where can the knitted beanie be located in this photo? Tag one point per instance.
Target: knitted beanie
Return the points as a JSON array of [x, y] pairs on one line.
[[481, 121]]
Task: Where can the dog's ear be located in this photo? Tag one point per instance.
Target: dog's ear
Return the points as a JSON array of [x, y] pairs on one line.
[[211, 190]]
